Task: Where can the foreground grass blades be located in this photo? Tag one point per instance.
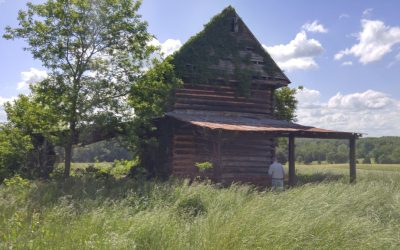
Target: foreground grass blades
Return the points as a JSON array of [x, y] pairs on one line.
[[89, 213]]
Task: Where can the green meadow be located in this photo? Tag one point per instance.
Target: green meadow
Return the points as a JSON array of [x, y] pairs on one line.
[[92, 212]]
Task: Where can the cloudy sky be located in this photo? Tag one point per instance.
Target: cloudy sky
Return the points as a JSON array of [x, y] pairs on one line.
[[346, 54]]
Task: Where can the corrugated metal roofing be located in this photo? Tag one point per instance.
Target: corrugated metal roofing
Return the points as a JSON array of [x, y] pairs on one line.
[[251, 123]]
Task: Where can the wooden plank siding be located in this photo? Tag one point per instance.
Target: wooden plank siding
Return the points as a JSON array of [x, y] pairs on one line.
[[246, 158], [223, 98], [242, 157], [189, 147], [213, 89]]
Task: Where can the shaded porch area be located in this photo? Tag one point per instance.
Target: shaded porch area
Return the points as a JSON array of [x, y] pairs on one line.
[[264, 127]]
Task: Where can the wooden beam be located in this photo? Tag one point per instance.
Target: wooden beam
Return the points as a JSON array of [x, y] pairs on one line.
[[292, 173], [216, 142], [352, 160]]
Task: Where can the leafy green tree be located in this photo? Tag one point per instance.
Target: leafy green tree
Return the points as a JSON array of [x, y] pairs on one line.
[[14, 149], [285, 103], [32, 121], [93, 51], [30, 116], [151, 97], [331, 157]]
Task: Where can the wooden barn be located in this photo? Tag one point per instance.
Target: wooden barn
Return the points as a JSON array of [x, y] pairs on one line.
[[224, 113]]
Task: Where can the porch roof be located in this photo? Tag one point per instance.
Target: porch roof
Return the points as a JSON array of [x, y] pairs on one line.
[[245, 122]]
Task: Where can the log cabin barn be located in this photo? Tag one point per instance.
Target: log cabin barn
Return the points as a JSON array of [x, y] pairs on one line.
[[224, 113]]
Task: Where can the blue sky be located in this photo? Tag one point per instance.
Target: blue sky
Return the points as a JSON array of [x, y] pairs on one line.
[[345, 53]]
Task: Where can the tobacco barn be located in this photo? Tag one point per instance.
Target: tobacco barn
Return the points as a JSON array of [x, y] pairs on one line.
[[224, 113]]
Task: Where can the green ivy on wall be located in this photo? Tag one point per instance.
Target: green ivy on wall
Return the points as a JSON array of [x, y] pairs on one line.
[[216, 42]]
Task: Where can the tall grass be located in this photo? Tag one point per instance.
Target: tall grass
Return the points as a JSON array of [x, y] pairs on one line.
[[89, 213]]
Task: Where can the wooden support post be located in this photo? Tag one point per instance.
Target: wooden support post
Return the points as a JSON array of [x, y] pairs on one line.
[[217, 139], [292, 173], [352, 160]]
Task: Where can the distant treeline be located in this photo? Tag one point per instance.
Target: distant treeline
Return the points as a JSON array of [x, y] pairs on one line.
[[369, 150], [103, 151]]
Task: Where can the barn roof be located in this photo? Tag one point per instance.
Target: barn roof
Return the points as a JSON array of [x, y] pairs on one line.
[[222, 46], [243, 122]]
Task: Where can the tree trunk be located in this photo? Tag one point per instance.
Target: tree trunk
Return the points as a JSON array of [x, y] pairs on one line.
[[68, 150]]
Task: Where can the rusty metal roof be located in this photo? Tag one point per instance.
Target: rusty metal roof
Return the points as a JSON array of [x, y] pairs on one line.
[[254, 123]]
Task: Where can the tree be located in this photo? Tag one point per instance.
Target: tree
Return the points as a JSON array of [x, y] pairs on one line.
[[151, 97], [33, 122], [30, 116], [93, 51], [285, 103], [14, 149]]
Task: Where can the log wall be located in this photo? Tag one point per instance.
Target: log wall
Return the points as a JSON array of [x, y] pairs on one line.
[[237, 157], [224, 98], [189, 147], [246, 158]]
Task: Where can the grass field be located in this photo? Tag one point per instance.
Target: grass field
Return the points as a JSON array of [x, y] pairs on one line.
[[322, 212]]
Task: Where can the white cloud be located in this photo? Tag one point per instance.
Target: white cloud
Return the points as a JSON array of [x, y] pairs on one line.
[[371, 112], [398, 57], [343, 16], [307, 97], [4, 100], [347, 63], [374, 41], [3, 116], [369, 99], [367, 12], [298, 54], [314, 27], [168, 47], [30, 77]]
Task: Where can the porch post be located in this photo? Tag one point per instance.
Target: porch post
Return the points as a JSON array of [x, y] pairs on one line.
[[292, 173], [217, 154], [352, 159]]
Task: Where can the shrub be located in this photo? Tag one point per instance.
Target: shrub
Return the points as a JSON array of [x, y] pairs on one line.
[[191, 207], [122, 168], [16, 181], [203, 166]]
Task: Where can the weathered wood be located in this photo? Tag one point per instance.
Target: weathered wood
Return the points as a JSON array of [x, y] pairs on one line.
[[229, 103], [226, 153], [243, 175], [260, 158], [251, 147], [352, 160], [244, 170], [214, 96], [292, 173], [237, 156], [245, 164], [221, 108], [217, 155], [231, 86]]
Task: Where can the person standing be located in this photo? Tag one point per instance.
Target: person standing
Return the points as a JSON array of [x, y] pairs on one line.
[[277, 174]]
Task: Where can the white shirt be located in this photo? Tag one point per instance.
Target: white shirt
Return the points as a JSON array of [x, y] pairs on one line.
[[276, 170]]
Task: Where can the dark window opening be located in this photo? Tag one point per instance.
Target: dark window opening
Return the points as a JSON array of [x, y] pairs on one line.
[[235, 24], [258, 62]]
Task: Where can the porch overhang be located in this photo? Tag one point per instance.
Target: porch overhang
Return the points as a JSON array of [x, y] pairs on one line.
[[243, 122]]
